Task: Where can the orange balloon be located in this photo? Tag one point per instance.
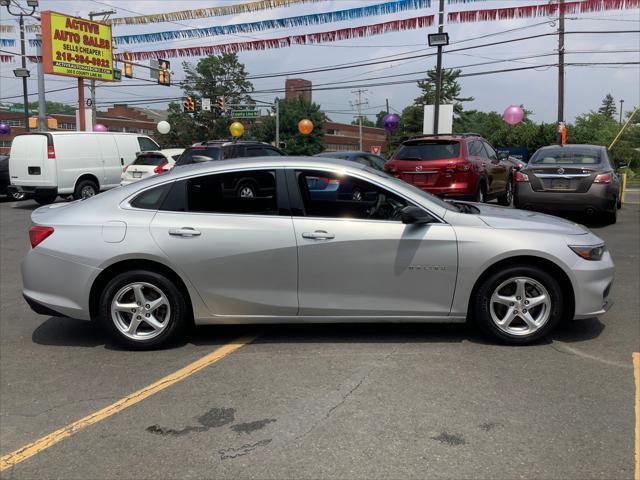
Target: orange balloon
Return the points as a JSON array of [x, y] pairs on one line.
[[305, 126]]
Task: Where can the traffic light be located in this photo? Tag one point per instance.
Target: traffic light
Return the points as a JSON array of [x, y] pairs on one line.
[[128, 68], [189, 105], [164, 74], [220, 103]]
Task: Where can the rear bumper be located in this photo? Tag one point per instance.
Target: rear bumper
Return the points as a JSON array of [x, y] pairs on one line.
[[31, 190], [599, 198]]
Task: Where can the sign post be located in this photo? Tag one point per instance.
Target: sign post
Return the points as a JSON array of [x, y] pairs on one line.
[[75, 47]]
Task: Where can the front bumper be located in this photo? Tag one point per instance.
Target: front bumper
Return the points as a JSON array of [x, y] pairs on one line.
[[593, 281]]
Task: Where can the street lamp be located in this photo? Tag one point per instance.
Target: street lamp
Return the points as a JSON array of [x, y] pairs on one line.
[[20, 72]]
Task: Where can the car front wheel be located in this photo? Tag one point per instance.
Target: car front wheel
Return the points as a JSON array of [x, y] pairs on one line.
[[518, 305], [142, 310], [507, 197]]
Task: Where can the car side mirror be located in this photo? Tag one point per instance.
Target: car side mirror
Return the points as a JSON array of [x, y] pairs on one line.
[[416, 216], [503, 155], [622, 165]]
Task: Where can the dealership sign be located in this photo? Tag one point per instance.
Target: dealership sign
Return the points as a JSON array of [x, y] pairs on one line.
[[76, 47]]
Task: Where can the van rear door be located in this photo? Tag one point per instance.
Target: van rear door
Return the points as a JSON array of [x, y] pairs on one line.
[[29, 162]]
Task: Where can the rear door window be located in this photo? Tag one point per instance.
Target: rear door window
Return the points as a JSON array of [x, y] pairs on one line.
[[429, 150], [251, 192], [147, 144]]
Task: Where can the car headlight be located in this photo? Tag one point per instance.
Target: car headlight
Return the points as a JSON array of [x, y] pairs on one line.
[[589, 252]]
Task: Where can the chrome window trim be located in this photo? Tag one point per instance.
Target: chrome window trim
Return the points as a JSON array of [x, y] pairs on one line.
[[564, 175]]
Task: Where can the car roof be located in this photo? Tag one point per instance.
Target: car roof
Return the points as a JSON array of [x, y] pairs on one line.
[[573, 146], [458, 136], [229, 142], [347, 153]]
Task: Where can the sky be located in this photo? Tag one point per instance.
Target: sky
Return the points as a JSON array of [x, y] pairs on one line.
[[535, 89]]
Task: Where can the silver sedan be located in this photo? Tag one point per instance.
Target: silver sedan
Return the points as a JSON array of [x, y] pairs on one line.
[[191, 245]]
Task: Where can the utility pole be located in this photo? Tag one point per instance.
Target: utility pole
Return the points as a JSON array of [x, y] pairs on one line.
[[436, 106], [560, 68], [92, 85], [387, 106], [359, 105], [621, 103], [277, 105]]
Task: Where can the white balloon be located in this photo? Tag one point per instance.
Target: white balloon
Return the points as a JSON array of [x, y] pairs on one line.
[[164, 127]]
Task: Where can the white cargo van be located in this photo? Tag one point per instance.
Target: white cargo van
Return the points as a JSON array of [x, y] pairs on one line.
[[48, 164]]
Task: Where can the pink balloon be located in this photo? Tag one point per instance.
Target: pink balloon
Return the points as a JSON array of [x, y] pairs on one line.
[[513, 115], [100, 128]]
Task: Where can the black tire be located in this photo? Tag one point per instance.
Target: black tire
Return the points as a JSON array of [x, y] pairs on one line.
[[45, 198], [176, 319], [481, 193], [610, 218], [247, 190], [85, 189], [506, 198], [481, 309]]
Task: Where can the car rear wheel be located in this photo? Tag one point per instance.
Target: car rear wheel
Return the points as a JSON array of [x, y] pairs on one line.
[[45, 198], [247, 190], [16, 195], [142, 310], [506, 198], [518, 305], [610, 217], [85, 189]]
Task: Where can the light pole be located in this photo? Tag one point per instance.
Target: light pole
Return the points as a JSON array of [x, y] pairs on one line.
[[22, 72]]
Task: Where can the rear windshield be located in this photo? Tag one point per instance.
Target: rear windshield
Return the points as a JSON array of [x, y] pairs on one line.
[[152, 160], [200, 154], [428, 151], [566, 157]]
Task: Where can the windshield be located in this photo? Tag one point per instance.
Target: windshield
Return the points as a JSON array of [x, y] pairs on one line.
[[430, 150], [565, 157], [414, 190], [200, 154], [152, 160]]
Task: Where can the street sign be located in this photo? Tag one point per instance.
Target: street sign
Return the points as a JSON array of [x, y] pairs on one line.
[[206, 104], [117, 75], [75, 47], [245, 113], [376, 149]]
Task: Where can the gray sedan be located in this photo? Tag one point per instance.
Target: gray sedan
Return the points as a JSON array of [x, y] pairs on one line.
[[150, 258]]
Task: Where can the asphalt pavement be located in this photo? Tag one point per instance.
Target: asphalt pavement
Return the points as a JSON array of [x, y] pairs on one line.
[[324, 401]]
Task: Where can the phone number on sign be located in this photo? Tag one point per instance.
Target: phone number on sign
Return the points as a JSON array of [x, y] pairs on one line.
[[75, 58]]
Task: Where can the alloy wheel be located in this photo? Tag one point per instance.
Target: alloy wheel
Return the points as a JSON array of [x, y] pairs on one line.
[[246, 192], [87, 191], [140, 311], [520, 306]]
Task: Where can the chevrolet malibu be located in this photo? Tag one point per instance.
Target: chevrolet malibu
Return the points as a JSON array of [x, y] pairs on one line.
[[149, 259]]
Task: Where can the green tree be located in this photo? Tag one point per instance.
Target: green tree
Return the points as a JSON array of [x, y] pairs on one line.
[[411, 123], [291, 112], [450, 92], [52, 107], [380, 118], [365, 122], [608, 107], [217, 75]]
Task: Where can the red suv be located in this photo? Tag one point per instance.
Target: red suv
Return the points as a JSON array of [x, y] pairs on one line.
[[461, 166]]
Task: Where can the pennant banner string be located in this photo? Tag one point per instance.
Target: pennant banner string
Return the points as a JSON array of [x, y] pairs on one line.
[[7, 42], [289, 22], [283, 42], [540, 10], [206, 12], [7, 28]]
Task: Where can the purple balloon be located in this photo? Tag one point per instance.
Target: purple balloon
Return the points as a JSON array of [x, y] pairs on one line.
[[513, 115], [390, 122], [5, 129], [100, 128]]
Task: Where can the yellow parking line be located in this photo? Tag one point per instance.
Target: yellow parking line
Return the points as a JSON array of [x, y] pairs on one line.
[[45, 442], [636, 374]]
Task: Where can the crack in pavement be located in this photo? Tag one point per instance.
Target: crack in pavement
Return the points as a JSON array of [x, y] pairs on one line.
[[567, 350]]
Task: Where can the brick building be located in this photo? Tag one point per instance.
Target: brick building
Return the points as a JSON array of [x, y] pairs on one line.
[[340, 137], [297, 87], [119, 118]]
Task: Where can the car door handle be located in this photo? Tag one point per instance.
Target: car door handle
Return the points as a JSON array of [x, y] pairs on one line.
[[318, 235], [184, 232]]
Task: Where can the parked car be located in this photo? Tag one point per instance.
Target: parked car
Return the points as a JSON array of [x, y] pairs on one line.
[[369, 159], [150, 163], [81, 164], [5, 182], [454, 166], [224, 150], [570, 178], [149, 258]]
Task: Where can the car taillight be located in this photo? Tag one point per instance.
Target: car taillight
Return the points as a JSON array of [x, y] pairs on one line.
[[463, 166], [51, 152], [161, 168], [38, 234], [521, 177], [603, 178]]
